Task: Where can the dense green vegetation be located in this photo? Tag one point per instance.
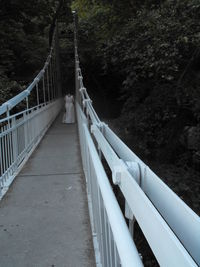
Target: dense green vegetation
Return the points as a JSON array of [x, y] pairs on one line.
[[140, 57], [144, 57], [25, 34]]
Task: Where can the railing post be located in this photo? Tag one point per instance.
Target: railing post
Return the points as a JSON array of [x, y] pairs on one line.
[[8, 140], [101, 127], [129, 215], [48, 90], [25, 119], [53, 75], [1, 157], [43, 87], [14, 142], [50, 77], [38, 101]]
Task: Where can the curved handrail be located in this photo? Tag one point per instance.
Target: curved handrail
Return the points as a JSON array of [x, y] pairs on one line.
[[168, 215], [21, 131]]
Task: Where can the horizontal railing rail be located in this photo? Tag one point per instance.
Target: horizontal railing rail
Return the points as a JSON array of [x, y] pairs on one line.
[[171, 228], [113, 242], [181, 219], [146, 212], [21, 131]]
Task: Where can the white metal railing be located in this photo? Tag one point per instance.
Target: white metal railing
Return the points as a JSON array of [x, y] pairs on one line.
[[21, 131], [171, 228], [112, 240]]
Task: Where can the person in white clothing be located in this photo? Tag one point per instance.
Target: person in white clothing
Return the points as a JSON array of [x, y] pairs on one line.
[[69, 116]]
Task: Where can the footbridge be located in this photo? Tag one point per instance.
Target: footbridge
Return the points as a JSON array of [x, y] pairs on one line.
[[57, 184]]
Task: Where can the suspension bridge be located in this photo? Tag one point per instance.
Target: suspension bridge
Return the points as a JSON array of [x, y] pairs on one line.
[[57, 203]]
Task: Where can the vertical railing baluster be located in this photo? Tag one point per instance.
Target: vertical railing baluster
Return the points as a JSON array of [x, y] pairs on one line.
[[50, 78], [10, 148], [14, 142], [100, 222], [52, 70], [7, 141], [1, 152], [110, 246], [43, 87], [54, 78], [26, 125], [20, 134], [1, 156], [48, 84], [1, 165], [89, 173], [38, 101], [115, 256], [6, 152], [106, 237]]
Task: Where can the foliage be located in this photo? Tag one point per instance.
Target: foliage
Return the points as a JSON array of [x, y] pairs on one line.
[[151, 48], [24, 33], [141, 58]]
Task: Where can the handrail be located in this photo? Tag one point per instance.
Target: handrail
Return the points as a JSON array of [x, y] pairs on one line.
[[20, 113], [181, 218], [120, 231], [171, 228], [22, 131], [147, 215]]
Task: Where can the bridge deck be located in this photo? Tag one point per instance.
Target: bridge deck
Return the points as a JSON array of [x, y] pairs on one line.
[[44, 219]]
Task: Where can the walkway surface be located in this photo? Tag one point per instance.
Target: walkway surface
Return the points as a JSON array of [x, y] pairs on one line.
[[44, 220]]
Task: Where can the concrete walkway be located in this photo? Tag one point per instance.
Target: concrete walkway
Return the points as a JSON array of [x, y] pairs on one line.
[[44, 220]]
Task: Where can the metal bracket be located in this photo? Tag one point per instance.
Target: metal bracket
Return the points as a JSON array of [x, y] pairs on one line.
[[36, 79], [27, 91], [117, 175], [85, 101], [92, 128], [128, 212], [82, 89], [98, 125], [135, 170], [8, 106]]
